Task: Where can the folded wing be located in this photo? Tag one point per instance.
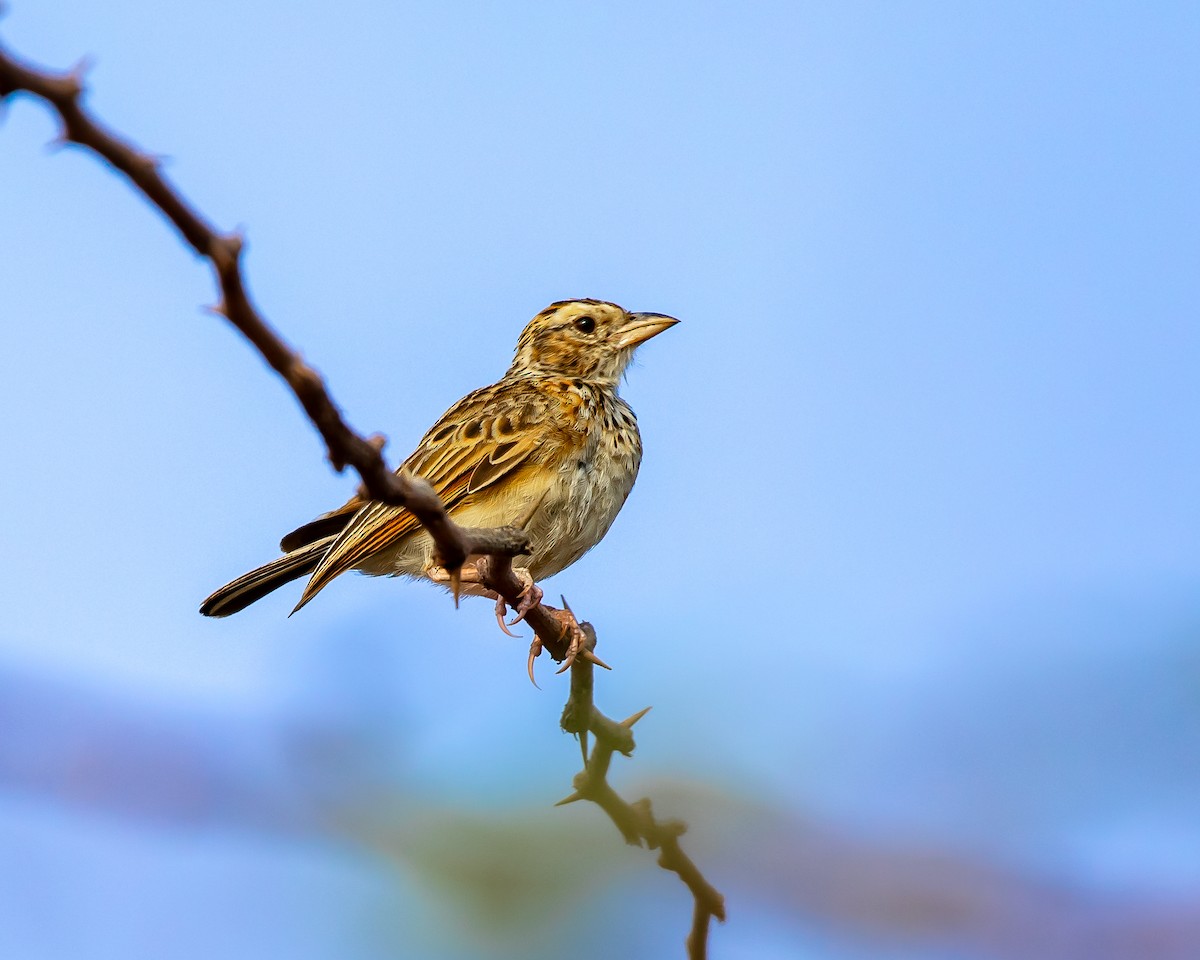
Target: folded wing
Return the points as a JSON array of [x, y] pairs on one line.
[[488, 437]]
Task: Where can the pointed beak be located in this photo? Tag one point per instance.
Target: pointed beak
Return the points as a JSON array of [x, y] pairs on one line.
[[640, 327]]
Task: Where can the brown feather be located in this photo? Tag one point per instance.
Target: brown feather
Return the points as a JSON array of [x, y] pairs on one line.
[[240, 593], [498, 431]]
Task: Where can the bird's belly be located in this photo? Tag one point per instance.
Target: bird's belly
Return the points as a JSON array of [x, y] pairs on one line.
[[575, 506], [577, 512]]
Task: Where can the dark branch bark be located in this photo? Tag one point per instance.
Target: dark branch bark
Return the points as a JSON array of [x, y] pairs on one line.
[[636, 821]]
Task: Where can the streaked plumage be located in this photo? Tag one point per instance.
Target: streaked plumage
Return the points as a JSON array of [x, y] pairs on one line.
[[550, 446]]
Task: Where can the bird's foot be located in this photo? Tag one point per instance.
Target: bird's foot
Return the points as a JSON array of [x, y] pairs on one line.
[[573, 634], [530, 597], [579, 645]]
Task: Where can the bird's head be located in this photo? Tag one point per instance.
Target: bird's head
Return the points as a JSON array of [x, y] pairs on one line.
[[584, 339]]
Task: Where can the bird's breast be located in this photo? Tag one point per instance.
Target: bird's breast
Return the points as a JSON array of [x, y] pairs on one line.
[[589, 488]]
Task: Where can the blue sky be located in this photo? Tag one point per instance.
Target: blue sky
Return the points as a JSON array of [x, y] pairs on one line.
[[914, 551]]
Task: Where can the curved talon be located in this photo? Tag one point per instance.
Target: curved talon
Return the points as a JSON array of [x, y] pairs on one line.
[[577, 646], [535, 650], [531, 596], [501, 611]]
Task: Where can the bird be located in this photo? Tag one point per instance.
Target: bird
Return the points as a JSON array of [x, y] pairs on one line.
[[550, 447]]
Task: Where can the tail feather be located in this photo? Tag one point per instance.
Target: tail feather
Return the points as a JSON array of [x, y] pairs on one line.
[[324, 527], [240, 593]]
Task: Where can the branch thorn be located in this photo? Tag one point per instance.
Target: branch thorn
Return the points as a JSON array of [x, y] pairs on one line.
[[628, 722], [78, 73], [590, 657]]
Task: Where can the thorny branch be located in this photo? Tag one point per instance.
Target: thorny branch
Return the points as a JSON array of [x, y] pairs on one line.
[[492, 548], [636, 821]]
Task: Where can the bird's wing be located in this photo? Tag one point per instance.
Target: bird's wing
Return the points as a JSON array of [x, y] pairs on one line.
[[489, 436]]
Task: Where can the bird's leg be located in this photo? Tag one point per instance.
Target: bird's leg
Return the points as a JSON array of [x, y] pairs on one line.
[[467, 573]]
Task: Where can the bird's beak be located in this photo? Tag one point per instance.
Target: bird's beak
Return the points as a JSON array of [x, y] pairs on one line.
[[640, 327]]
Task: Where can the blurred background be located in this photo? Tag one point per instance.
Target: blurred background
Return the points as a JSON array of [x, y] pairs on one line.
[[911, 575]]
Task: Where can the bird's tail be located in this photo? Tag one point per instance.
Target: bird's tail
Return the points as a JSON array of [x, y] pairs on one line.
[[256, 584]]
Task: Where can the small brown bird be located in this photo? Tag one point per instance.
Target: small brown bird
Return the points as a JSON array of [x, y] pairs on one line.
[[549, 447]]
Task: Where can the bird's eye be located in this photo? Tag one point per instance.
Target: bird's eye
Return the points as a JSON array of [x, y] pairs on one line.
[[585, 324]]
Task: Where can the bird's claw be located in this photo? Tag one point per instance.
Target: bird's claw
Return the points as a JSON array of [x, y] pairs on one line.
[[535, 651], [501, 613], [530, 597], [577, 646]]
